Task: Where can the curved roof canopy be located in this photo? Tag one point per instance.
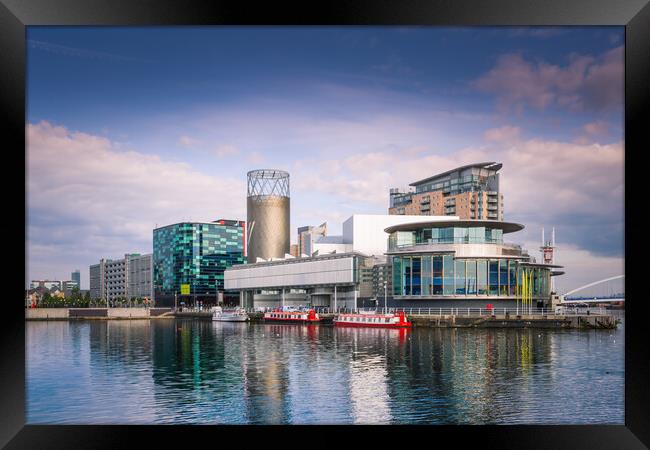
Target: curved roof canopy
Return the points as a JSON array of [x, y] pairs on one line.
[[484, 165], [507, 227]]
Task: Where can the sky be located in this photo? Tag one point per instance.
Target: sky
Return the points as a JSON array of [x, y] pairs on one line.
[[130, 128]]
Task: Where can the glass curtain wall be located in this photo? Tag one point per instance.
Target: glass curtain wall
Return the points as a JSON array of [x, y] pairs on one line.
[[425, 275], [449, 235]]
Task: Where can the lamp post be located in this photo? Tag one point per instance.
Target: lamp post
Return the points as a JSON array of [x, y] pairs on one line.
[[385, 289]]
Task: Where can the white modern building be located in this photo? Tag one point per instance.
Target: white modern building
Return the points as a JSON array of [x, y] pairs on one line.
[[365, 233], [337, 274]]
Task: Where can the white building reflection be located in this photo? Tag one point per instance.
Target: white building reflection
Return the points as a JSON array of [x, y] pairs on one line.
[[369, 375]]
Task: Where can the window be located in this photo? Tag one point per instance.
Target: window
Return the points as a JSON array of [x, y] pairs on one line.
[[503, 277], [416, 271], [426, 275], [397, 276], [459, 268], [512, 275], [471, 277], [494, 277], [436, 288], [407, 275], [482, 276], [448, 274]]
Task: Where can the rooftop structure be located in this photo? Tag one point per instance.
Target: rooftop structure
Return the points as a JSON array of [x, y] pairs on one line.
[[469, 192], [306, 237], [267, 209]]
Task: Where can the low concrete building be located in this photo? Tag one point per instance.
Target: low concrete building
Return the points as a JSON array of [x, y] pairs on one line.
[[332, 280]]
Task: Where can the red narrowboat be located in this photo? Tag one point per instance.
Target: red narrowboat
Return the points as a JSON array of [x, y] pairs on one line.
[[397, 320], [292, 316]]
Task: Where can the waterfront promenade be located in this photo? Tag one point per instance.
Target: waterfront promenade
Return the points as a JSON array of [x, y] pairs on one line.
[[425, 317]]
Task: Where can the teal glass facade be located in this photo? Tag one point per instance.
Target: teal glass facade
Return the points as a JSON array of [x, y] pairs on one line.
[[196, 254], [445, 275], [448, 235]]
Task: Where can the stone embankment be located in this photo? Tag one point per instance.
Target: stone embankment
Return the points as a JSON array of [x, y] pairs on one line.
[[96, 313], [513, 321]]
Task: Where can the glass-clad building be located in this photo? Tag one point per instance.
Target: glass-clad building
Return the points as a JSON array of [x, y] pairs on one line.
[[196, 254], [463, 260]]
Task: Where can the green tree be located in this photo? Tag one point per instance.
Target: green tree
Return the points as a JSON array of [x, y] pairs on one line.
[[47, 300]]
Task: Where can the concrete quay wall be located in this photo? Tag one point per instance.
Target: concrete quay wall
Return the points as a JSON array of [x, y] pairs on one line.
[[95, 313], [46, 313], [522, 321]]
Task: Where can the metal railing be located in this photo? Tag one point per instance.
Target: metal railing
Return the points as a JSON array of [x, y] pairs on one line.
[[484, 312], [478, 312], [459, 312]]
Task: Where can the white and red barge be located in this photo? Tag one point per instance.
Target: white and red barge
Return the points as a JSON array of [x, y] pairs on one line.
[[372, 320], [310, 316]]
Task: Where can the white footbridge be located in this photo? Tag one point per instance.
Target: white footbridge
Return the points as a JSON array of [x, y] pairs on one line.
[[608, 290]]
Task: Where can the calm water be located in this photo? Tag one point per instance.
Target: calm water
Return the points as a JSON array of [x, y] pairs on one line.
[[192, 371]]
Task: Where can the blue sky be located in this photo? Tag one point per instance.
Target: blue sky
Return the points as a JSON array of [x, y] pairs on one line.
[[132, 127]]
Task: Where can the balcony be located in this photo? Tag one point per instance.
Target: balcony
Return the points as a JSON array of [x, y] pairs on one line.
[[462, 240]]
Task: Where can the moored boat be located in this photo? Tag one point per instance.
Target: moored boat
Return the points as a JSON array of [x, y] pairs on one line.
[[372, 320], [278, 315], [235, 315]]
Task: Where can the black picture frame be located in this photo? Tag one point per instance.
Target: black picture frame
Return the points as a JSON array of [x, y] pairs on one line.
[[15, 15]]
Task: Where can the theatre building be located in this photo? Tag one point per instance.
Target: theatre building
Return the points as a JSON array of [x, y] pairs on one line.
[[463, 263]]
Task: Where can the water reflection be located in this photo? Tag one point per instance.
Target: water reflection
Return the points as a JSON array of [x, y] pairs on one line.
[[191, 371]]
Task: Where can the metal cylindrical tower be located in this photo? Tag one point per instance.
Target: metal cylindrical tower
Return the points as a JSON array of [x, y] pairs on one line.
[[267, 207]]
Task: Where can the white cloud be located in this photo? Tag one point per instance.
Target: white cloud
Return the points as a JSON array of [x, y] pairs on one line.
[[502, 134], [597, 128], [223, 151], [187, 141], [256, 158], [87, 199], [585, 83]]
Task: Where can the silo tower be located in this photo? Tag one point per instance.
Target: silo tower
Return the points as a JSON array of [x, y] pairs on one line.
[[267, 206]]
